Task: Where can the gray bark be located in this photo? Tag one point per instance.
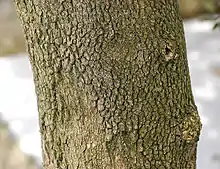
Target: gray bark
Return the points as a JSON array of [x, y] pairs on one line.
[[112, 83]]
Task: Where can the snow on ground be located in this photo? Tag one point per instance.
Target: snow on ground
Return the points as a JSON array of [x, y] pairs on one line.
[[203, 48], [18, 102]]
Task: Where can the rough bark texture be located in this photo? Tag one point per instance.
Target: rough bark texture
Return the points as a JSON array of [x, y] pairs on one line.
[[112, 83]]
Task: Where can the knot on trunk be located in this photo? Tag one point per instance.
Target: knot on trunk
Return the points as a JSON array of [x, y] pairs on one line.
[[190, 127], [169, 52]]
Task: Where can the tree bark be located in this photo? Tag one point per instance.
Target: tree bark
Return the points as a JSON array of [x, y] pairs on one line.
[[112, 83]]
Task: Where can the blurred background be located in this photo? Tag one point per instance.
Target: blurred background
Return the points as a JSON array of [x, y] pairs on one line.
[[19, 130]]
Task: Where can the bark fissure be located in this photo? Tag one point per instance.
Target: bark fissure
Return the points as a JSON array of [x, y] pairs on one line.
[[112, 83]]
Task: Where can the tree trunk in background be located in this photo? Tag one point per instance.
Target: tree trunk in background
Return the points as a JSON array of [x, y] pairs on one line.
[[112, 83], [195, 8]]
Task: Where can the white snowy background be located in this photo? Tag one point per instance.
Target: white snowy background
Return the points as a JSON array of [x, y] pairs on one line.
[[19, 108]]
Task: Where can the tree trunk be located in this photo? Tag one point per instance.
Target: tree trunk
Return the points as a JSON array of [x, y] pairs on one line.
[[112, 83]]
